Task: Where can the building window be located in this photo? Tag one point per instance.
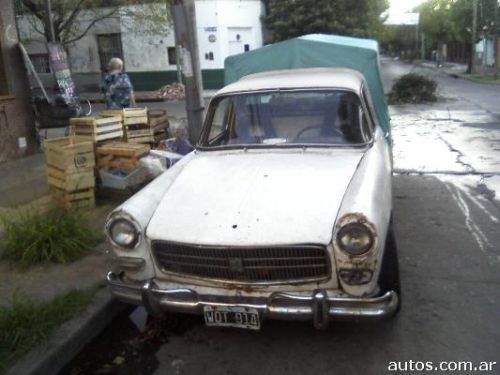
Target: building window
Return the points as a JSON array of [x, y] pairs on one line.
[[109, 46], [40, 62], [172, 56]]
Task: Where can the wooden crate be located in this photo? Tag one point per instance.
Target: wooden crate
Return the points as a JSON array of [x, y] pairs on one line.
[[61, 179], [139, 134], [69, 154], [83, 198], [97, 129], [146, 134], [129, 116], [121, 155], [133, 116], [158, 118]]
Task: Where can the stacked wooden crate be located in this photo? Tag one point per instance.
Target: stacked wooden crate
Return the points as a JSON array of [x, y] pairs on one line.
[[141, 125], [120, 155], [70, 170], [135, 124], [159, 125], [97, 129]]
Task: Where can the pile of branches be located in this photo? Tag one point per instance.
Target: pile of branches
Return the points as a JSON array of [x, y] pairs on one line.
[[175, 91], [413, 88]]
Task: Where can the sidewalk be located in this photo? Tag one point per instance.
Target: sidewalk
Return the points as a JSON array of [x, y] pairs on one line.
[[453, 69], [457, 70], [24, 188], [23, 180], [44, 282]]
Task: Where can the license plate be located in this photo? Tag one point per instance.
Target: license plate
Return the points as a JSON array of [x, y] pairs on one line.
[[231, 316]]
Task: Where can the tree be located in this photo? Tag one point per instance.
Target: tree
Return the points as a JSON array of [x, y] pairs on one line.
[[73, 19], [144, 17], [291, 18], [447, 21], [398, 39], [451, 20], [436, 21]]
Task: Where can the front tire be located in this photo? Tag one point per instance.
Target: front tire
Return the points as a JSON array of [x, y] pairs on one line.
[[389, 274]]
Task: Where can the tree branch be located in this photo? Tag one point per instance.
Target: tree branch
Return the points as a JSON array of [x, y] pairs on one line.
[[33, 8], [36, 28], [89, 26], [33, 24], [74, 13]]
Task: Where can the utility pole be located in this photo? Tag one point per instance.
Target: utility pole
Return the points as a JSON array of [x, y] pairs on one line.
[[416, 41], [183, 12], [473, 40], [422, 47], [495, 39], [48, 21]]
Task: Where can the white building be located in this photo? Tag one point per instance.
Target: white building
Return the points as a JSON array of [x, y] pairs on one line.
[[485, 52], [225, 27]]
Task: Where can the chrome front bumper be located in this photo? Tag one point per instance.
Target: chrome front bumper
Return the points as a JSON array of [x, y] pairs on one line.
[[317, 307]]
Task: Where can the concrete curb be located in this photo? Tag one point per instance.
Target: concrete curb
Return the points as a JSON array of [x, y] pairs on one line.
[[457, 75], [472, 79], [71, 337]]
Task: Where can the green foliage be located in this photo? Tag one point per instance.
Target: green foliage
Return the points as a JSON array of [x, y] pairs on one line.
[[291, 18], [58, 236], [25, 324], [445, 21], [148, 19], [437, 19], [397, 38], [413, 88]]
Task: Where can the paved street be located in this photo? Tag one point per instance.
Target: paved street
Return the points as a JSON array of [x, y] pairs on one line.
[[447, 159], [460, 134]]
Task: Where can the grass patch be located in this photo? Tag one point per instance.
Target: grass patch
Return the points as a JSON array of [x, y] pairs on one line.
[[26, 324], [413, 88], [58, 236]]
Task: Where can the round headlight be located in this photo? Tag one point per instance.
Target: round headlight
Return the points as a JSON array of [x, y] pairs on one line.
[[355, 239], [123, 233]]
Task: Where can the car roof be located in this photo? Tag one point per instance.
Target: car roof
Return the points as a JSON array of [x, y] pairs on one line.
[[305, 78]]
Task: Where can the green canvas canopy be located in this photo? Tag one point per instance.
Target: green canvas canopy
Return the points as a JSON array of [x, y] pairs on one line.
[[314, 51]]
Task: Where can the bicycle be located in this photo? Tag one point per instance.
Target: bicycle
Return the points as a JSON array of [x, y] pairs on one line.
[[56, 112]]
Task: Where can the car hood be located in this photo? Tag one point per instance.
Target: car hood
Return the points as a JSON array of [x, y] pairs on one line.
[[256, 198]]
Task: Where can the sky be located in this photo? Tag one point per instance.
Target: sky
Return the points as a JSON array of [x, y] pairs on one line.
[[398, 8]]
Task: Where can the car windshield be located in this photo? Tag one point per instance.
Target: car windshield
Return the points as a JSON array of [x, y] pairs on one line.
[[330, 117]]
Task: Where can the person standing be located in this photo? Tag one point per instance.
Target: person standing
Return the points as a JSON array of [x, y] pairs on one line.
[[116, 86]]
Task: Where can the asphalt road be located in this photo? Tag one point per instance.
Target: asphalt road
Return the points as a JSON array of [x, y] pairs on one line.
[[448, 237]]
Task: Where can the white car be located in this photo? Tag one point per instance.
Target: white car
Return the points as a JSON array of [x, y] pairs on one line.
[[283, 211]]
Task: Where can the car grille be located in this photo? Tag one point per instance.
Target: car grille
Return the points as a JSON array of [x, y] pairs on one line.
[[244, 265]]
